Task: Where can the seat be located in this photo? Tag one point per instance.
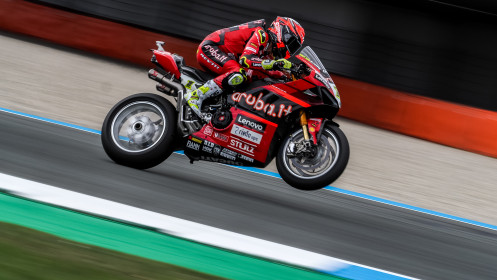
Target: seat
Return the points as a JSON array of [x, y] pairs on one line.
[[197, 74]]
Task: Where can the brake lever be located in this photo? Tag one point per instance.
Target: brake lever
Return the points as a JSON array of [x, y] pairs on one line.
[[299, 69], [278, 66]]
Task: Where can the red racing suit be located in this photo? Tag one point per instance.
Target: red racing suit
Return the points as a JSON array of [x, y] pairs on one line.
[[237, 49]]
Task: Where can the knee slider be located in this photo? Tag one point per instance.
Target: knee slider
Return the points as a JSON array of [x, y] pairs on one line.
[[235, 79]]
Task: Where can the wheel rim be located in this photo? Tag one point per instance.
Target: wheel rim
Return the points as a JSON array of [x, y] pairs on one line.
[[313, 166], [138, 126]]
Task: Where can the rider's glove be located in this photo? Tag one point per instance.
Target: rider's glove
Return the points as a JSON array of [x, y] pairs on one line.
[[276, 64]]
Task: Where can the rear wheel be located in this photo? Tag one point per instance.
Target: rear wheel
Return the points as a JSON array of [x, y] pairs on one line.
[[317, 166], [139, 131]]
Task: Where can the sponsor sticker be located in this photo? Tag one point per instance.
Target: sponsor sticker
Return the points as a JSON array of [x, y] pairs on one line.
[[250, 123], [259, 105], [229, 154], [220, 160], [207, 149], [242, 147], [246, 134], [208, 130], [216, 150], [192, 145], [220, 136], [214, 53], [246, 158], [209, 144], [210, 61]]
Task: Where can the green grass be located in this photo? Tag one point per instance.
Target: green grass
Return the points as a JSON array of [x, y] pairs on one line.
[[30, 254]]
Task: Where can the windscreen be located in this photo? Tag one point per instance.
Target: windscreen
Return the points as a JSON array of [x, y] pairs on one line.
[[310, 58], [308, 54]]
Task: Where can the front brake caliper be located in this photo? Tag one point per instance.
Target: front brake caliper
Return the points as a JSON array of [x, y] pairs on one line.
[[314, 125]]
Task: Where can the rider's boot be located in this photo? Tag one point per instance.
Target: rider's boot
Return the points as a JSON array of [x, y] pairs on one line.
[[195, 98]]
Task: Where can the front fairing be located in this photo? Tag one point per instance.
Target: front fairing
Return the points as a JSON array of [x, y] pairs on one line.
[[318, 75]]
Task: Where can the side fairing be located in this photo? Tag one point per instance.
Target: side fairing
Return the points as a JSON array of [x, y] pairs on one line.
[[267, 102], [245, 141]]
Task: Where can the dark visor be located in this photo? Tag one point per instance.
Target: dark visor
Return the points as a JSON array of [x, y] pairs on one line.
[[292, 43]]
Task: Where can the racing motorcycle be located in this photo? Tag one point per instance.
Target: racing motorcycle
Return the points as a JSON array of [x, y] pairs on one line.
[[288, 119]]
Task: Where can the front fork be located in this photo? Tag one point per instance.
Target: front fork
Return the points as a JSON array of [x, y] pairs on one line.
[[307, 147], [310, 127], [303, 123]]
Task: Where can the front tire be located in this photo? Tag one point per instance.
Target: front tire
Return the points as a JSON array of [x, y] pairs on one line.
[[312, 171], [139, 131]]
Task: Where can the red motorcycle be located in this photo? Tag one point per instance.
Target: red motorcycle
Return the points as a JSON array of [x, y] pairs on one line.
[[289, 119]]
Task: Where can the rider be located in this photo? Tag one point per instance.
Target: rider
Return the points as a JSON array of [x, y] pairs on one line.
[[244, 53]]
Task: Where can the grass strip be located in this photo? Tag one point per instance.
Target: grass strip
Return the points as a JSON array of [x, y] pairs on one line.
[[141, 242], [31, 254]]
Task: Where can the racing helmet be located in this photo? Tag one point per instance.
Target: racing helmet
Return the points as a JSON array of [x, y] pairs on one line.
[[287, 36]]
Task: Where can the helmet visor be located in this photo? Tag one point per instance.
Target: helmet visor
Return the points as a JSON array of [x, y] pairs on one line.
[[292, 43]]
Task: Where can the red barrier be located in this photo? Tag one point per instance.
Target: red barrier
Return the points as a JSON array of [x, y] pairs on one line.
[[88, 33], [434, 120], [442, 122]]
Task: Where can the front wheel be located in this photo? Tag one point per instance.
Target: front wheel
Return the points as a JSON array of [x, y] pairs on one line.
[[139, 131], [312, 168]]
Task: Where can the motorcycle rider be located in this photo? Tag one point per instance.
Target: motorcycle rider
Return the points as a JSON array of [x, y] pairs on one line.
[[244, 53]]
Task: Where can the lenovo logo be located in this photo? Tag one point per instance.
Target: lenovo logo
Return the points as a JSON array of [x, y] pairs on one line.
[[250, 123]]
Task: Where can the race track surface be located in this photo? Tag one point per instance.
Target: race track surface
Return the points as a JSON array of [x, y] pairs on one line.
[[325, 222]]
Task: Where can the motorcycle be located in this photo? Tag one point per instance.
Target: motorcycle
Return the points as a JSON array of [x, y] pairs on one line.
[[290, 120]]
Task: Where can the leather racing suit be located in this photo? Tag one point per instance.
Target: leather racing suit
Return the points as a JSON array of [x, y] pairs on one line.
[[236, 55]]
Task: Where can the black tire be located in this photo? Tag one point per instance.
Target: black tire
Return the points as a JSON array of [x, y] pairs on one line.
[[301, 179], [136, 115]]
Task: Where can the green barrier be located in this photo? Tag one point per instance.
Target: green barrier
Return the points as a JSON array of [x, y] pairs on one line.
[[145, 243]]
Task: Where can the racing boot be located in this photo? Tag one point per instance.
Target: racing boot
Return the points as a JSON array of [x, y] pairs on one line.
[[195, 98]]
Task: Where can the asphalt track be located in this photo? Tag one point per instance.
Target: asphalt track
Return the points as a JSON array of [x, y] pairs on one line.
[[342, 226]]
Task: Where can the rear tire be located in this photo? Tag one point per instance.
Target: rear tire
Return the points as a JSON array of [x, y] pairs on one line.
[[139, 131], [318, 171]]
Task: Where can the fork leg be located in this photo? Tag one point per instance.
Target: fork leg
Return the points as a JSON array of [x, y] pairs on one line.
[[303, 123]]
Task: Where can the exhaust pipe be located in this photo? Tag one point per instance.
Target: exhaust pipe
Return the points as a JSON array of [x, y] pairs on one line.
[[167, 86]]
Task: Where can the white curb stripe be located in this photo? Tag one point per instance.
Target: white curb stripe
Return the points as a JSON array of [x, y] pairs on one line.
[[182, 228]]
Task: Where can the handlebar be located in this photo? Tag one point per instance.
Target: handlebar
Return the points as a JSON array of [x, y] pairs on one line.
[[300, 70], [297, 69], [278, 66]]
